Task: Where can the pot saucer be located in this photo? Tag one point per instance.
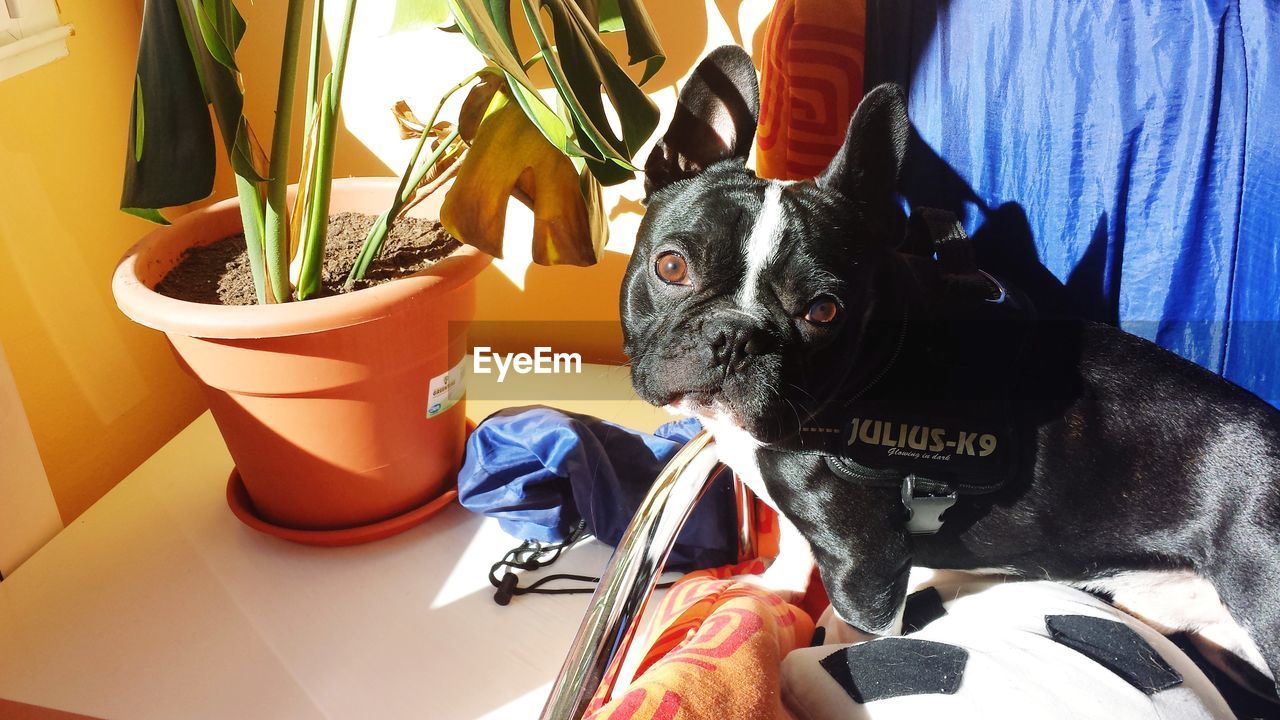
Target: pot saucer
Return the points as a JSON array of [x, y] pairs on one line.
[[242, 507]]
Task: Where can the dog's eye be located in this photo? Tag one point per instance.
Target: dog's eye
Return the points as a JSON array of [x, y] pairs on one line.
[[822, 310], [672, 268]]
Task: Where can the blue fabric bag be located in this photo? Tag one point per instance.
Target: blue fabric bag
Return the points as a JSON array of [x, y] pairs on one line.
[[539, 471], [1114, 160]]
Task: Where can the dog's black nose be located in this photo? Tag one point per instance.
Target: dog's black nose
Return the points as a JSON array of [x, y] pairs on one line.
[[757, 342], [732, 347]]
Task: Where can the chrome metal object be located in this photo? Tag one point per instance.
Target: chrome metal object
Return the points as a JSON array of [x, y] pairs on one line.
[[628, 580]]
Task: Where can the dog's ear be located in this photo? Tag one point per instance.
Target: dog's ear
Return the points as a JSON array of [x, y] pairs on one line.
[[867, 165], [715, 119]]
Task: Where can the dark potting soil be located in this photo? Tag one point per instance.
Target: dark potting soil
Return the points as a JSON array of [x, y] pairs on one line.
[[218, 273]]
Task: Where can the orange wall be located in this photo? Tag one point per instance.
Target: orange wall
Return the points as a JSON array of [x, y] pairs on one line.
[[101, 393]]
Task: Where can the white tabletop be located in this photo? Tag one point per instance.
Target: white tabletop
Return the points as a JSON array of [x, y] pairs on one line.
[[158, 603]]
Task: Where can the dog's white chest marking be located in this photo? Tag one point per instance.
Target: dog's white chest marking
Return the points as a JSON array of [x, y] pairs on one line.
[[737, 449], [762, 245], [790, 571]]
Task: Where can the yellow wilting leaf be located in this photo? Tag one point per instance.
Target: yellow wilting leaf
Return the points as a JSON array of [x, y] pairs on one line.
[[477, 103], [509, 154]]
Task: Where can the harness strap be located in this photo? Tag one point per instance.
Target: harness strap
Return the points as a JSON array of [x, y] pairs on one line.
[[936, 233], [936, 421], [924, 500]]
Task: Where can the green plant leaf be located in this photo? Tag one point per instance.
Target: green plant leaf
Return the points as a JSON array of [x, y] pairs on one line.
[[221, 84], [231, 25], [582, 67], [222, 88], [172, 124], [214, 42], [418, 14], [486, 24], [609, 17], [643, 44], [147, 214], [500, 12]]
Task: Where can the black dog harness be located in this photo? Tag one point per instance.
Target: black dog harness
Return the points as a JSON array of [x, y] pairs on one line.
[[937, 420]]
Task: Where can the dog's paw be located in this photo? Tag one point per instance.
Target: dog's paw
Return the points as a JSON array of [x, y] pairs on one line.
[[773, 585], [787, 577]]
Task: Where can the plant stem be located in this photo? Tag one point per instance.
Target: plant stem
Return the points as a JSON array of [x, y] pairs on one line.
[[415, 178], [340, 58], [313, 62], [317, 223], [378, 233], [276, 225], [405, 184], [251, 216], [409, 181]]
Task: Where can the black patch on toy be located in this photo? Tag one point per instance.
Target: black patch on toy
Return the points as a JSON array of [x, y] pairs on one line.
[[1116, 647], [923, 607], [894, 667], [819, 637]]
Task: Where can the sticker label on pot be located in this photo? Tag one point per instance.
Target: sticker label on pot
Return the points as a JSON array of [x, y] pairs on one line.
[[445, 389]]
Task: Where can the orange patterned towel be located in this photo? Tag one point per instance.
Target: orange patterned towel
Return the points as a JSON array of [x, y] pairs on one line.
[[811, 82], [716, 653]]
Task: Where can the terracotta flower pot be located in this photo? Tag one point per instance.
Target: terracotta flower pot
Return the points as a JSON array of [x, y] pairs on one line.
[[324, 404]]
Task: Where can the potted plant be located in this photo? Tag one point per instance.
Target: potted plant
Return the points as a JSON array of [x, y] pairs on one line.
[[342, 406]]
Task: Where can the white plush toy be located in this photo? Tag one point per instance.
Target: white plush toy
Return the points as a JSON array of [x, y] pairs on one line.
[[984, 649]]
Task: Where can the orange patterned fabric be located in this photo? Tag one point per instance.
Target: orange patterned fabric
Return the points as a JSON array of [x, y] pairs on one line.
[[690, 601], [686, 605], [811, 82], [716, 653]]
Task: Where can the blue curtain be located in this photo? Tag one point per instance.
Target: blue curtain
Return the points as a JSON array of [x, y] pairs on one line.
[[1117, 160]]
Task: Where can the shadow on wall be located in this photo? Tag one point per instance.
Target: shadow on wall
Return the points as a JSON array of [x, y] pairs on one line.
[[1004, 241], [1005, 244], [583, 304]]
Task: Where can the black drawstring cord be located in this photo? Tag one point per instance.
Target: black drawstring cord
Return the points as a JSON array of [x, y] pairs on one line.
[[533, 555]]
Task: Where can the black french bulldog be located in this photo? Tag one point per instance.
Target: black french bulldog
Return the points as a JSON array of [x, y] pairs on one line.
[[765, 308]]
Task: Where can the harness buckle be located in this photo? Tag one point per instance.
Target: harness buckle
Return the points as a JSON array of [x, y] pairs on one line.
[[925, 501]]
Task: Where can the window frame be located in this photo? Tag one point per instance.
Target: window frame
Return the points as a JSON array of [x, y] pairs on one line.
[[31, 35]]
